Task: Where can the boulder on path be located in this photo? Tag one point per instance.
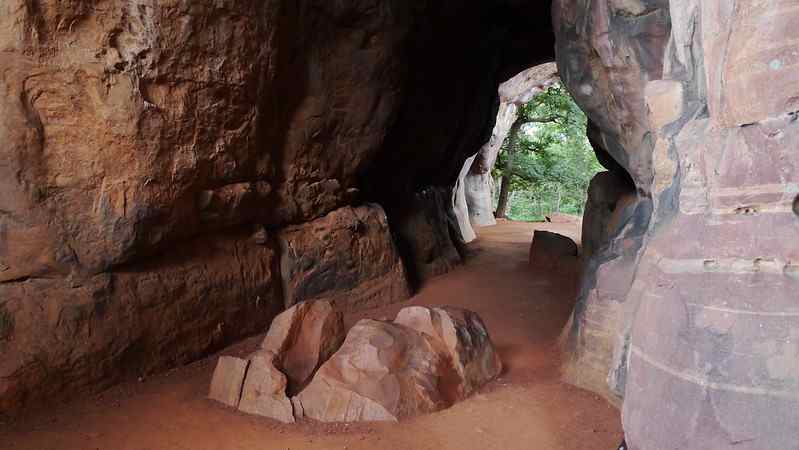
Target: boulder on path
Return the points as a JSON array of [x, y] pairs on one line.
[[302, 338], [462, 337], [264, 391], [551, 251], [383, 372]]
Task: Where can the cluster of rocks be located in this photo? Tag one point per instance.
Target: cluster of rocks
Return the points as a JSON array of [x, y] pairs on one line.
[[310, 366]]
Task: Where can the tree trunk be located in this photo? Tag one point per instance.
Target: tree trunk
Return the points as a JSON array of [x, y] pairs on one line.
[[557, 209], [507, 171], [504, 193]]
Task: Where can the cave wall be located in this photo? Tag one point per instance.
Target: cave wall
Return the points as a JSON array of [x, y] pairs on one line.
[[607, 51], [159, 159], [153, 151], [707, 355]]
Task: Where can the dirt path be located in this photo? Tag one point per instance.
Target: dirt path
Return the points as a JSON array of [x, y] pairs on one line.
[[528, 408]]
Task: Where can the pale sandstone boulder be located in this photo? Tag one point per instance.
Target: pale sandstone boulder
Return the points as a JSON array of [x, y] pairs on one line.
[[302, 338], [227, 380], [264, 391], [383, 372], [462, 338]]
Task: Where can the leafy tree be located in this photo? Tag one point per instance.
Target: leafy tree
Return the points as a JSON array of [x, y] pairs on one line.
[[546, 163]]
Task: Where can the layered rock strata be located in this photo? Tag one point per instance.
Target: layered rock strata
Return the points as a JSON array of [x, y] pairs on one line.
[[704, 356]]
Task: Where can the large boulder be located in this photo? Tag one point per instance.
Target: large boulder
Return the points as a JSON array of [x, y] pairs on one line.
[[299, 340], [302, 338], [346, 257], [462, 337], [551, 251], [383, 372]]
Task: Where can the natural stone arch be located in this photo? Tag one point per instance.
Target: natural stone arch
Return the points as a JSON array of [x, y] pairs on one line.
[[473, 194]]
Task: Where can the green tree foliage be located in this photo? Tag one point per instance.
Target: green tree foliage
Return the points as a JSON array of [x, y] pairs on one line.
[[547, 161]]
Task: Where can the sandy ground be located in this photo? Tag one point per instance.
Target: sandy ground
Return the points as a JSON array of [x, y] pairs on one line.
[[527, 408]]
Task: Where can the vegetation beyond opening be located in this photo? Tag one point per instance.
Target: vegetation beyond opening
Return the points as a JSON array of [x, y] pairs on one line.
[[546, 162]]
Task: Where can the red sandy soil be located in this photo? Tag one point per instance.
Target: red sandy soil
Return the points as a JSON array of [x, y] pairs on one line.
[[527, 408]]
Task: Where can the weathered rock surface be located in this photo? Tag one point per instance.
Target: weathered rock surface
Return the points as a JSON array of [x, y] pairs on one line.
[[302, 338], [87, 333], [707, 358], [264, 389], [462, 337], [383, 372], [549, 251], [347, 258], [606, 53], [596, 335], [429, 234], [228, 380], [132, 130]]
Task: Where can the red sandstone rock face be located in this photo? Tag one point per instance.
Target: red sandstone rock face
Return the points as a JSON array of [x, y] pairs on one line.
[[91, 331], [347, 257], [607, 51], [716, 319], [596, 335], [429, 234], [709, 357], [137, 137], [136, 132]]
